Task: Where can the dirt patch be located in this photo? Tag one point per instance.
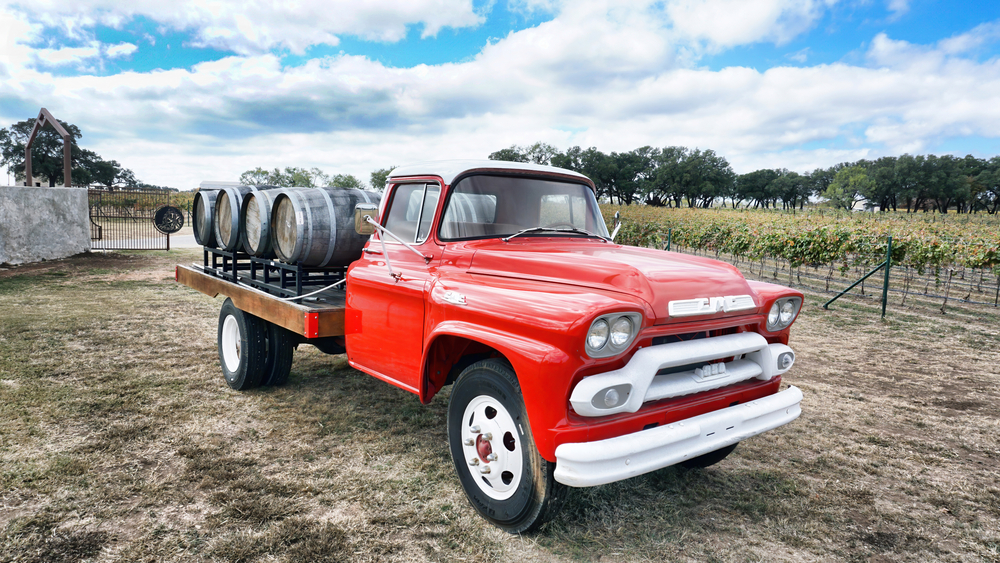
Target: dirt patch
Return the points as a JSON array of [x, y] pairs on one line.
[[120, 441]]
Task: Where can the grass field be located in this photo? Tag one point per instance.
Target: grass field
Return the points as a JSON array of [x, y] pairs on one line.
[[119, 441]]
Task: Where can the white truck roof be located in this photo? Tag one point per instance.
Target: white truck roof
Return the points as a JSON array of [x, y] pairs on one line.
[[448, 170]]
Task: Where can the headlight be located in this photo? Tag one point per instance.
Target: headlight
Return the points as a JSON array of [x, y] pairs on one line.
[[787, 312], [783, 313], [598, 335], [612, 334], [621, 332]]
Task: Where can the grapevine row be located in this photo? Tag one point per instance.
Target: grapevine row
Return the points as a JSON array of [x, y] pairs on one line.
[[813, 239]]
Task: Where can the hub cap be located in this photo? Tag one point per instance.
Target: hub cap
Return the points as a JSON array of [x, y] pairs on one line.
[[231, 344], [492, 447]]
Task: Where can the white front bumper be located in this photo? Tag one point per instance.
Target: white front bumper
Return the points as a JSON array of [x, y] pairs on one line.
[[606, 461]]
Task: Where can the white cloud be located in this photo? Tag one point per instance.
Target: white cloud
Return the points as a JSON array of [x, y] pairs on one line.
[[800, 56], [254, 27], [981, 35], [595, 75], [15, 33], [727, 23], [121, 50], [68, 55], [898, 7]]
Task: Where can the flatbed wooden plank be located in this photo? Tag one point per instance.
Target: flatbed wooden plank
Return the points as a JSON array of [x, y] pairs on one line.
[[311, 320]]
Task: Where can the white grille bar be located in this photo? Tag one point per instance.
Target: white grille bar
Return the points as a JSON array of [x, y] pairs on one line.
[[637, 382]]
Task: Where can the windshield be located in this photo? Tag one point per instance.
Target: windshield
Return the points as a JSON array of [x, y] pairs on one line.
[[498, 206]]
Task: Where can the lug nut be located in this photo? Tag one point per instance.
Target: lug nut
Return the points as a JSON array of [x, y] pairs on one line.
[[470, 442], [475, 429], [488, 436], [473, 461], [491, 457], [484, 469]]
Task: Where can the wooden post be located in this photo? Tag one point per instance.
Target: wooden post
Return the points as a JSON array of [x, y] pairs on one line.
[[44, 117]]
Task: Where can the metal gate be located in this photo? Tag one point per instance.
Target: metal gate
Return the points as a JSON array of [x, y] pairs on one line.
[[124, 219]]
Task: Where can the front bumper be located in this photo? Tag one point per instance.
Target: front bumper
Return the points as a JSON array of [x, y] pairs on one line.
[[606, 461]]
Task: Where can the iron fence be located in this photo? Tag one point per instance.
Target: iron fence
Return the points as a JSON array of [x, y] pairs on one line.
[[123, 219]]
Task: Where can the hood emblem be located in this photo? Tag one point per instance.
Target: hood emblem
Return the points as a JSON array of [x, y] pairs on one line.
[[453, 297], [710, 305]]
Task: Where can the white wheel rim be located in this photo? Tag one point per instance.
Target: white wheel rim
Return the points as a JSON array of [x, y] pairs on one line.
[[231, 344], [487, 428]]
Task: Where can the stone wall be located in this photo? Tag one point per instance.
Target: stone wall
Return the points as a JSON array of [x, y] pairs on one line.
[[42, 223]]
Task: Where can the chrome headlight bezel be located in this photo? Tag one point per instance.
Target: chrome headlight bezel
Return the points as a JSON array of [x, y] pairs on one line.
[[779, 312], [609, 348]]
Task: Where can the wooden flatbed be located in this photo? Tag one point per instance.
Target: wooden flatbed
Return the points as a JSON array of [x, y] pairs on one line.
[[313, 319]]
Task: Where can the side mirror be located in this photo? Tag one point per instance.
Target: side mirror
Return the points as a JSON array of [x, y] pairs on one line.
[[618, 225], [361, 226]]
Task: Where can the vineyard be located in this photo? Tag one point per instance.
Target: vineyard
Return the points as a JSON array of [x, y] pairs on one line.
[[938, 256]]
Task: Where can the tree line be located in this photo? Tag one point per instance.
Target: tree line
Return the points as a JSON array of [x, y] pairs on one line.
[[679, 176], [311, 178]]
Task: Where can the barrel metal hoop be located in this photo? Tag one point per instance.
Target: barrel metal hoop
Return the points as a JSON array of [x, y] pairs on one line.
[[333, 226], [303, 243], [265, 201]]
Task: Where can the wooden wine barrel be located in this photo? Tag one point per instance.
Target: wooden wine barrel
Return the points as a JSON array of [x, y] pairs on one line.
[[255, 220], [227, 216], [315, 227], [203, 209]]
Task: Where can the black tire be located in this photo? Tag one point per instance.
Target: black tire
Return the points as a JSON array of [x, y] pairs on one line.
[[711, 458], [242, 347], [280, 346], [521, 494]]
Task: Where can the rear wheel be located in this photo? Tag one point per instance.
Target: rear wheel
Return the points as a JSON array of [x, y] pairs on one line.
[[711, 458], [280, 346], [495, 456], [242, 347]]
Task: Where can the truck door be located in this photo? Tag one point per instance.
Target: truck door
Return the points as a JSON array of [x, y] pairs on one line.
[[386, 312]]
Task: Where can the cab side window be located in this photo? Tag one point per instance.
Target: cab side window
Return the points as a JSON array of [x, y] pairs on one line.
[[411, 211]]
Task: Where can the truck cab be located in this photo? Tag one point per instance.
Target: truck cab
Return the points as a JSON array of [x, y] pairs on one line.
[[573, 360]]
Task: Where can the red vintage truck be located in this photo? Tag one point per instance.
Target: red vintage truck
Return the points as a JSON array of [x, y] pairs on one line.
[[573, 360]]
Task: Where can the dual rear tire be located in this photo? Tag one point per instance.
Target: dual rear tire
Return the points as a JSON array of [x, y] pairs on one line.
[[252, 351]]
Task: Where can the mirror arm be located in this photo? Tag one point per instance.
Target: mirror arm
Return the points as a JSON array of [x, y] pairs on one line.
[[381, 229], [618, 225]]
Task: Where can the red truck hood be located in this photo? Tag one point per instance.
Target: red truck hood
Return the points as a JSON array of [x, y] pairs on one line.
[[655, 276]]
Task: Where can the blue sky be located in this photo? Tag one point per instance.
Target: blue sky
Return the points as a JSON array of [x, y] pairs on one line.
[[351, 87]]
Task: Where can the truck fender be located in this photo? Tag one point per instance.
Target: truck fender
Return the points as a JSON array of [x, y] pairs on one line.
[[530, 359]]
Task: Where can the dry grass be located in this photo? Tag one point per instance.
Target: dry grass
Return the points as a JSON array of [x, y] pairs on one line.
[[120, 442]]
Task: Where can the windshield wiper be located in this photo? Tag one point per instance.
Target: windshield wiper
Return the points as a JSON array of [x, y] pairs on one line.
[[554, 230]]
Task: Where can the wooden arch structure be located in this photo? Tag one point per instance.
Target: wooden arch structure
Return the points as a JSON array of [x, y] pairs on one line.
[[45, 118]]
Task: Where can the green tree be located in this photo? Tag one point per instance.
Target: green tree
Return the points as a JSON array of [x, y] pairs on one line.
[[346, 181], [256, 177], [570, 160], [47, 157], [512, 154], [848, 187], [538, 153], [380, 178], [298, 177], [788, 186], [910, 174], [988, 197], [757, 186], [706, 176], [666, 184]]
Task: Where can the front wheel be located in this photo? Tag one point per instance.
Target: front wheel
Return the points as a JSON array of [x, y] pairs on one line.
[[711, 458], [504, 477]]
